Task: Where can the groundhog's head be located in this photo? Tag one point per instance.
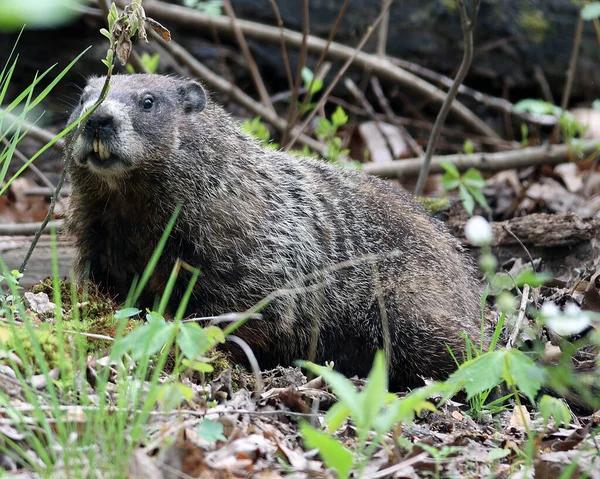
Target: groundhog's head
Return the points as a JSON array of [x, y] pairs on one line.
[[137, 122]]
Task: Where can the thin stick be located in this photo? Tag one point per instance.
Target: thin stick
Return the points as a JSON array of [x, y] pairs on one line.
[[391, 117], [298, 80], [383, 29], [381, 67], [44, 223], [339, 75], [23, 159], [572, 68], [468, 26], [318, 72], [239, 35], [284, 53], [26, 229], [360, 96], [489, 162], [520, 317]]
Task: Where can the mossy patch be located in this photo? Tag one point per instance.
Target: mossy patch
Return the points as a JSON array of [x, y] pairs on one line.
[[433, 205], [536, 26], [23, 341]]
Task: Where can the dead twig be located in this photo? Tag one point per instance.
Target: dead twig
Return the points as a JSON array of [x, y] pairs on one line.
[[298, 81], [520, 317], [468, 25], [496, 103], [360, 96], [489, 162], [383, 29], [25, 229], [322, 68], [339, 75], [284, 54], [37, 133], [23, 159], [391, 117], [572, 69], [507, 229], [381, 67], [254, 73]]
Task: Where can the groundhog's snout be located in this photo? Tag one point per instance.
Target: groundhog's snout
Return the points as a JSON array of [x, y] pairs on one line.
[[100, 128]]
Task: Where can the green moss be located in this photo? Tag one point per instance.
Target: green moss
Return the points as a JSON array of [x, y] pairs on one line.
[[433, 205], [86, 310], [535, 25], [19, 337]]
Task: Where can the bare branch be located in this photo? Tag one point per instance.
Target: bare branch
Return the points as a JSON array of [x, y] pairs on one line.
[[383, 28], [490, 162], [467, 28], [378, 66], [258, 82]]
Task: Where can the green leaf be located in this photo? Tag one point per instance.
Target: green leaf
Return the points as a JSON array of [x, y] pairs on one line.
[[339, 117], [497, 453], [373, 395], [334, 454], [191, 339], [537, 107], [198, 366], [467, 199], [591, 11], [316, 87], [480, 374], [532, 279], [336, 416], [449, 182], [146, 340], [450, 168], [171, 396], [404, 409], [127, 313], [468, 147], [307, 76], [555, 408], [324, 127], [523, 373], [478, 195], [211, 431], [105, 32], [113, 12], [342, 387], [472, 177]]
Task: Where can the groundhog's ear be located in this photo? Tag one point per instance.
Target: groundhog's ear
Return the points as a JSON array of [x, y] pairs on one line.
[[193, 97]]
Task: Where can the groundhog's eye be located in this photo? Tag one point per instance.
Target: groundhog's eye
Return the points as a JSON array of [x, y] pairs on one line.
[[147, 103]]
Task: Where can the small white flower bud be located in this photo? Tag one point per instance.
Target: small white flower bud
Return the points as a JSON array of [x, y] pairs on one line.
[[478, 231]]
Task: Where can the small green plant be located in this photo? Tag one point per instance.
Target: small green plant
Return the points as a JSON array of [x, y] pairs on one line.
[[327, 131], [256, 128], [469, 185], [373, 411], [312, 85], [570, 127], [439, 455], [210, 7], [150, 62]]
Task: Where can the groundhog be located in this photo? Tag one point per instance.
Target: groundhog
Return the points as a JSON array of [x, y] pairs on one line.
[[355, 256]]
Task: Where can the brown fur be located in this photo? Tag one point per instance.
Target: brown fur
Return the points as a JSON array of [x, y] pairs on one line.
[[255, 220]]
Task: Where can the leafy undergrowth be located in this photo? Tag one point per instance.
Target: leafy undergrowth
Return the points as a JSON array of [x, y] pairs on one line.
[[76, 403]]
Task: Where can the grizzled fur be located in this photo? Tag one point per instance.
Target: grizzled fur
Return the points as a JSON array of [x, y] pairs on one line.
[[256, 220]]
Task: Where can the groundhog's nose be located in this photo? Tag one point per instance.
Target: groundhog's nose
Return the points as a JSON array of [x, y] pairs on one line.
[[100, 124]]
